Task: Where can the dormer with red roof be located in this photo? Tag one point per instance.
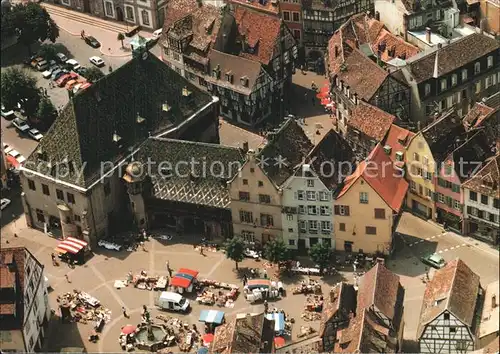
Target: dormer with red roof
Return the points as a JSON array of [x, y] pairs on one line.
[[368, 205]]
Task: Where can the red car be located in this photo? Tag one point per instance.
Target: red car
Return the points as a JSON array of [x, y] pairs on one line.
[[62, 80]]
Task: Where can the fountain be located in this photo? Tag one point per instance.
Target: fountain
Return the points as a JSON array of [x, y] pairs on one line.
[[150, 336]]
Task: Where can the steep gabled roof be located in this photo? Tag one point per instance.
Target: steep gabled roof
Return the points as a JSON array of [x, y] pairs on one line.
[[379, 172], [444, 135], [486, 181], [197, 173], [127, 104], [452, 56], [286, 149], [453, 288], [328, 157], [175, 10], [252, 333], [388, 46], [398, 139], [342, 297], [261, 31], [371, 120]]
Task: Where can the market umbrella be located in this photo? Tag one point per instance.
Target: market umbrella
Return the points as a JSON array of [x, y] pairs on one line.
[[128, 329], [325, 89], [322, 95], [203, 350], [208, 338], [325, 101], [279, 341]]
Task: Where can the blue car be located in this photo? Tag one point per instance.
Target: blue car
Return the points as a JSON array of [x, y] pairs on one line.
[[58, 74]]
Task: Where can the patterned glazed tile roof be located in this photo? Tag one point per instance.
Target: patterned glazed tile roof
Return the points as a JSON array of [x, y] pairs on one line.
[[452, 56], [486, 180], [371, 120], [252, 333], [261, 31], [454, 288], [197, 173], [128, 104], [390, 187], [290, 144], [332, 150], [398, 139]]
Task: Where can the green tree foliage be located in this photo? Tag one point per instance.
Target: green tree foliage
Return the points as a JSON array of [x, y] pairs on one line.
[[31, 22], [276, 251], [48, 51], [19, 86], [46, 112], [121, 37], [320, 253], [93, 74], [234, 249]]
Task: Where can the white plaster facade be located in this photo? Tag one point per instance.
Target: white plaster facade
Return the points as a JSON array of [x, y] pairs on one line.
[[307, 215]]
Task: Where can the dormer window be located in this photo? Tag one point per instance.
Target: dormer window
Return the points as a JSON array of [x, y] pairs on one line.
[[216, 72], [186, 92], [139, 119], [427, 89], [41, 154], [477, 68], [116, 138], [166, 107], [244, 81], [229, 77]]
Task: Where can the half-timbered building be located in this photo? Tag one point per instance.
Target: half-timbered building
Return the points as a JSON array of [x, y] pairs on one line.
[[450, 310]]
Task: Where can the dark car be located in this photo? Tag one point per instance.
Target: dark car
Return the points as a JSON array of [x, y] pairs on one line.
[[82, 70], [91, 41]]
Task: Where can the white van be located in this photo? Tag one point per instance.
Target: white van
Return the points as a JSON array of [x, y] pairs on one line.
[[171, 301], [42, 65]]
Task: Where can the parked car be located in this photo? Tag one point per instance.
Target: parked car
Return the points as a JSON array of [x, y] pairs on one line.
[[20, 159], [63, 80], [21, 125], [70, 84], [35, 134], [96, 61], [91, 41], [109, 245], [434, 260], [14, 153], [56, 74], [73, 64], [47, 74], [4, 203], [8, 114], [42, 65], [7, 148], [62, 58], [35, 61], [82, 70]]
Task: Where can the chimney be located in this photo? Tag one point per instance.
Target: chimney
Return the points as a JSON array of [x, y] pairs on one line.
[[243, 42], [428, 34], [356, 42], [405, 27], [251, 154], [494, 301], [336, 51], [482, 25], [377, 15], [245, 147]]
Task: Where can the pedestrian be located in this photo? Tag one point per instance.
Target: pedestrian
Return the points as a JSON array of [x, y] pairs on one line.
[[143, 247], [53, 256], [124, 310], [201, 250], [67, 278], [305, 97], [266, 306], [169, 270]]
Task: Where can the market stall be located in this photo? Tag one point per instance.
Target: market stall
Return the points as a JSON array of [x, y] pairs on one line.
[[184, 280], [279, 322], [308, 287], [72, 249], [212, 319], [81, 307], [260, 289]]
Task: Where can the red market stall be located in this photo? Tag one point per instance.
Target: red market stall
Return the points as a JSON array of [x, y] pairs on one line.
[[72, 249], [184, 280]]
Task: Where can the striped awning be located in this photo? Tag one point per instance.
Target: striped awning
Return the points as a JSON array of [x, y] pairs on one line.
[[71, 245]]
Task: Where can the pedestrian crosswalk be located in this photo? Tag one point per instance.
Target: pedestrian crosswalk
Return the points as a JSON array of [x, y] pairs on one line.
[[451, 248], [427, 239], [436, 237]]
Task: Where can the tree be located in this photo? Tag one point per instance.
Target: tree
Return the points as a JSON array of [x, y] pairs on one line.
[[48, 52], [93, 74], [276, 251], [234, 249], [120, 37], [320, 253], [32, 23], [19, 86], [46, 112]]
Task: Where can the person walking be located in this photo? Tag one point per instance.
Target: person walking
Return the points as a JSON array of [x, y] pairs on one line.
[[266, 306], [67, 278], [169, 270], [53, 256], [245, 279], [124, 310]]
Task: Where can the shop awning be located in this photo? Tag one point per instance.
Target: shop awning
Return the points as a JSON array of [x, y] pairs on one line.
[[258, 283], [279, 321], [184, 278], [71, 245], [12, 161], [212, 316]]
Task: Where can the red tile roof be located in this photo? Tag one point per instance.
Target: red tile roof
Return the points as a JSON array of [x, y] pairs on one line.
[[454, 288], [260, 30], [175, 10], [378, 171], [386, 42], [398, 139], [477, 115], [371, 121], [486, 180], [268, 7], [7, 278]]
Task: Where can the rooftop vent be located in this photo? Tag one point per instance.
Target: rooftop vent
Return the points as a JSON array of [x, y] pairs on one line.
[[229, 77], [186, 92], [139, 119], [116, 138], [166, 107]]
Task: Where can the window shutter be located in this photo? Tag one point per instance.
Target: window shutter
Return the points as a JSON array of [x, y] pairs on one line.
[[469, 210], [296, 195], [346, 210], [336, 210]]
